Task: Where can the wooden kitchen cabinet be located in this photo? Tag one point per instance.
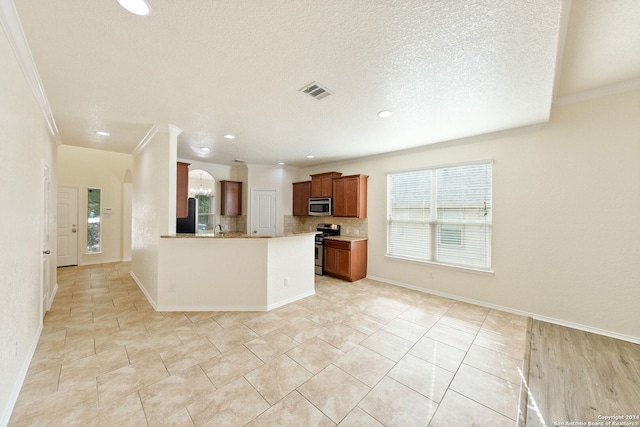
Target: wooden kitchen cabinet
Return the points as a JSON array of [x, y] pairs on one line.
[[350, 196], [345, 259], [230, 198], [301, 194], [322, 184], [182, 190]]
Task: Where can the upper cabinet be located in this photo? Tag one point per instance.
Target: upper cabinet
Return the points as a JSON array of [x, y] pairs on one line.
[[350, 196], [230, 198], [301, 194], [182, 190], [322, 184]]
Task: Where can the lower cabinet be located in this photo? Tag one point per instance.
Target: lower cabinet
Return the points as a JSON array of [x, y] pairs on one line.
[[345, 260]]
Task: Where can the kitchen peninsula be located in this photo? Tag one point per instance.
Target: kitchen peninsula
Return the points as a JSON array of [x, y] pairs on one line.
[[234, 272]]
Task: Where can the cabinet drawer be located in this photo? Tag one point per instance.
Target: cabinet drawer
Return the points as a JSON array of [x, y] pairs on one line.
[[337, 244]]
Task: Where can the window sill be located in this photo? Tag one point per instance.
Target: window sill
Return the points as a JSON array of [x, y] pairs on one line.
[[483, 272]]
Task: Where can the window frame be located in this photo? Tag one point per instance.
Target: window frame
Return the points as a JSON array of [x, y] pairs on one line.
[[434, 223], [100, 216]]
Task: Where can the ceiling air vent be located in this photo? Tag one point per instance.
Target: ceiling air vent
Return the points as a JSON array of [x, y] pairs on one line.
[[315, 90]]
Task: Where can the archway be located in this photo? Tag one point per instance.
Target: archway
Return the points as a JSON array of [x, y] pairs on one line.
[[202, 186]]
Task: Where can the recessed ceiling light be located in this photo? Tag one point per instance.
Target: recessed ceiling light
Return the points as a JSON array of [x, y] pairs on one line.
[[138, 7], [205, 149], [281, 163], [385, 113], [103, 133], [310, 156], [229, 136]]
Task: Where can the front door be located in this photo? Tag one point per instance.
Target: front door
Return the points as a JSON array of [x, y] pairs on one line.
[[263, 212], [67, 226]]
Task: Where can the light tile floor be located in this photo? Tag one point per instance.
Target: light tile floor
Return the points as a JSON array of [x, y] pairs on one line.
[[355, 354]]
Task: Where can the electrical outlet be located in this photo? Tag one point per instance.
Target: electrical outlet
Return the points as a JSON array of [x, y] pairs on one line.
[[172, 287], [286, 282], [356, 231]]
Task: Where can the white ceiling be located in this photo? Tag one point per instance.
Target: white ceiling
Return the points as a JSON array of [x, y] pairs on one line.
[[448, 69]]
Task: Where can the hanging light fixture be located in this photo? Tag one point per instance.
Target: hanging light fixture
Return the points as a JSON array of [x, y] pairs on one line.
[[200, 191]]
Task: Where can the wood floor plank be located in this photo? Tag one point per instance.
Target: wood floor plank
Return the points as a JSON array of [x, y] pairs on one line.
[[576, 376]]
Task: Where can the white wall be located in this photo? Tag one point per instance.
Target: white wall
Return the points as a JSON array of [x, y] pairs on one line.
[[127, 213], [84, 168], [25, 143], [566, 200], [267, 177], [152, 201]]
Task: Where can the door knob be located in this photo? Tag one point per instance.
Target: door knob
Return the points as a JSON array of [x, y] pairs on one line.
[[47, 252]]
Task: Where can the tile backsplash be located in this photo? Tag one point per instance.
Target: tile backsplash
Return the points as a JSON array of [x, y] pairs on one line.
[[234, 223], [352, 227]]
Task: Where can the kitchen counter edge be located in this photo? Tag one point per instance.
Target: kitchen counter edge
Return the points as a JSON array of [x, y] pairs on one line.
[[229, 236], [345, 238]]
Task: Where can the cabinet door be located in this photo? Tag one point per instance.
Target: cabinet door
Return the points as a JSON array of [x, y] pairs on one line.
[[338, 197], [346, 260], [326, 184], [330, 260], [231, 198], [301, 194], [322, 184], [351, 196], [182, 190], [343, 261]]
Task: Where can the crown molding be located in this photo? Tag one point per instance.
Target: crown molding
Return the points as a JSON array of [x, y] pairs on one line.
[[18, 41], [599, 92], [144, 141]]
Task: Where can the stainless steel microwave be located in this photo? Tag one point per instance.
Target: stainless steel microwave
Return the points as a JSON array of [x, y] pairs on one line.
[[320, 206]]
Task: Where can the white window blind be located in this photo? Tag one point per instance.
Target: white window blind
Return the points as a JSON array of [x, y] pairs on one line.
[[441, 215]]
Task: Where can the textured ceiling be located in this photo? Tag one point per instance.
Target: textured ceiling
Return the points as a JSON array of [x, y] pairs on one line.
[[213, 67]]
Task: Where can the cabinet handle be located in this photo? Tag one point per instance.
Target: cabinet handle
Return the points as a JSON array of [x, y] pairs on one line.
[[47, 252]]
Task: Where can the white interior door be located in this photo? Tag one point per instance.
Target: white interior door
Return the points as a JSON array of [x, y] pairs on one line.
[[44, 218], [67, 226], [263, 212]]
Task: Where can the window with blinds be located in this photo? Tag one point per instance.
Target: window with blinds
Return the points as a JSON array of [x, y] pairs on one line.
[[441, 215]]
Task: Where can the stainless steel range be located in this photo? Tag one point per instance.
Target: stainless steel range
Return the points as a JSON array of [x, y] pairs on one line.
[[323, 230]]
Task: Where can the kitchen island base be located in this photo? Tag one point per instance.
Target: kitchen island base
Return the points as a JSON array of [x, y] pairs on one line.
[[234, 274]]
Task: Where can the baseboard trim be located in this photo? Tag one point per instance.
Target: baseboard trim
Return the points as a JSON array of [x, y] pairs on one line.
[[560, 322], [52, 297], [213, 308], [15, 392], [144, 291], [237, 307], [107, 261], [290, 300]]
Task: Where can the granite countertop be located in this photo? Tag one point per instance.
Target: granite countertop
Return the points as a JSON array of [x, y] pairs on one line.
[[229, 235], [346, 238]]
